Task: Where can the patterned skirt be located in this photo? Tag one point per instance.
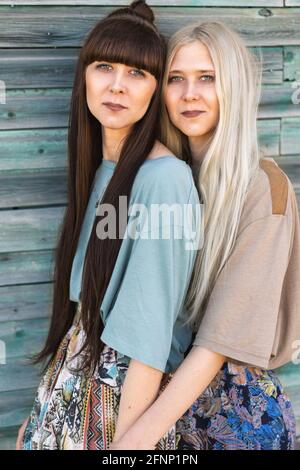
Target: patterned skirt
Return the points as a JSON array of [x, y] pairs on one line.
[[74, 411], [243, 408]]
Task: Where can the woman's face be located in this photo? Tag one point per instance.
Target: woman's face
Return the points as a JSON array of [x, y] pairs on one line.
[[190, 94], [118, 95]]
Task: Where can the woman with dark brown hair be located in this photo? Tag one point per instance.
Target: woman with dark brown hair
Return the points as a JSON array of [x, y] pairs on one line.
[[118, 305]]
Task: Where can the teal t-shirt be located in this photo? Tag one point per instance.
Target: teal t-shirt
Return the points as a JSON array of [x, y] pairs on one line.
[[143, 306]]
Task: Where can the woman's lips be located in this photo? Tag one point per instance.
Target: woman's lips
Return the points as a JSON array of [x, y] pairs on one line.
[[191, 114], [114, 107]]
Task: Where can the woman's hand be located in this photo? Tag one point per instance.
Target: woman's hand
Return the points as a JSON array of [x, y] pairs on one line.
[[140, 389], [20, 435], [189, 381]]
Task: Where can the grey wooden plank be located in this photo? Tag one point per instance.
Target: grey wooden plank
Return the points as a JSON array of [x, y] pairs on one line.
[[179, 3], [46, 148], [23, 337], [292, 63], [41, 149], [38, 108], [298, 198], [38, 68], [277, 102], [33, 188], [31, 109], [35, 149], [292, 3], [29, 229], [14, 410], [269, 136], [26, 267], [289, 374], [290, 136], [54, 68], [10, 400], [18, 375], [8, 437], [272, 65], [66, 27], [29, 188], [290, 164], [25, 302]]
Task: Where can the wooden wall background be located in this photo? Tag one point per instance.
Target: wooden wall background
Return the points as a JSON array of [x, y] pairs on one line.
[[39, 42]]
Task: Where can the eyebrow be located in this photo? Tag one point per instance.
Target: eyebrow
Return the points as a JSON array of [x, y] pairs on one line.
[[180, 71]]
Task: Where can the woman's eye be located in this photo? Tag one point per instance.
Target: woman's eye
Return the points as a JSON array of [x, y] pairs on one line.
[[137, 73], [175, 78], [103, 67], [207, 78]]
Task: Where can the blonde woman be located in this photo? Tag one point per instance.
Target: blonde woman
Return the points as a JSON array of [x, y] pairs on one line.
[[244, 294]]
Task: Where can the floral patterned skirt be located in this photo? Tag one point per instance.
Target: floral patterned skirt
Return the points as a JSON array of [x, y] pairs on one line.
[[74, 411], [243, 408]]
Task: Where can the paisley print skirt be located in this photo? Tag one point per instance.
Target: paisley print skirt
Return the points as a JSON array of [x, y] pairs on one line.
[[74, 411], [243, 408]]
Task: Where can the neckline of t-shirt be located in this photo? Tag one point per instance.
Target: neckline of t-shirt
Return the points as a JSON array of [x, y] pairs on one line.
[[112, 163]]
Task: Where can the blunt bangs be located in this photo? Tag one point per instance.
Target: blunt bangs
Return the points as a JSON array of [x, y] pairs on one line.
[[123, 41]]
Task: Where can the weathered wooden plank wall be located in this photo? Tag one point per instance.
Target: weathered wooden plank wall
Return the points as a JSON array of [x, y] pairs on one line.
[[39, 43]]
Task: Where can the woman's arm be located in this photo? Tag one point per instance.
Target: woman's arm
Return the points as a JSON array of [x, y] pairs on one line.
[[192, 377], [140, 389]]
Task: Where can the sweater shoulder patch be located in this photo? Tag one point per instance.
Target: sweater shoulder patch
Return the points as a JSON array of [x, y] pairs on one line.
[[278, 185]]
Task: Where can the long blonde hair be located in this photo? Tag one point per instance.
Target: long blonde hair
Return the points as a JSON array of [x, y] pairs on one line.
[[232, 157]]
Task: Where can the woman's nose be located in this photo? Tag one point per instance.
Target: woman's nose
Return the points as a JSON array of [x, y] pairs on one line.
[[117, 84], [191, 92]]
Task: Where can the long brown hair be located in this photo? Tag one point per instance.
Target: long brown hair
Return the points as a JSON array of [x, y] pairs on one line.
[[126, 36]]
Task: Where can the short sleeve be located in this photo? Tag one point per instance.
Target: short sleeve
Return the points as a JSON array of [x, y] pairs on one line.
[[242, 312], [140, 324]]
